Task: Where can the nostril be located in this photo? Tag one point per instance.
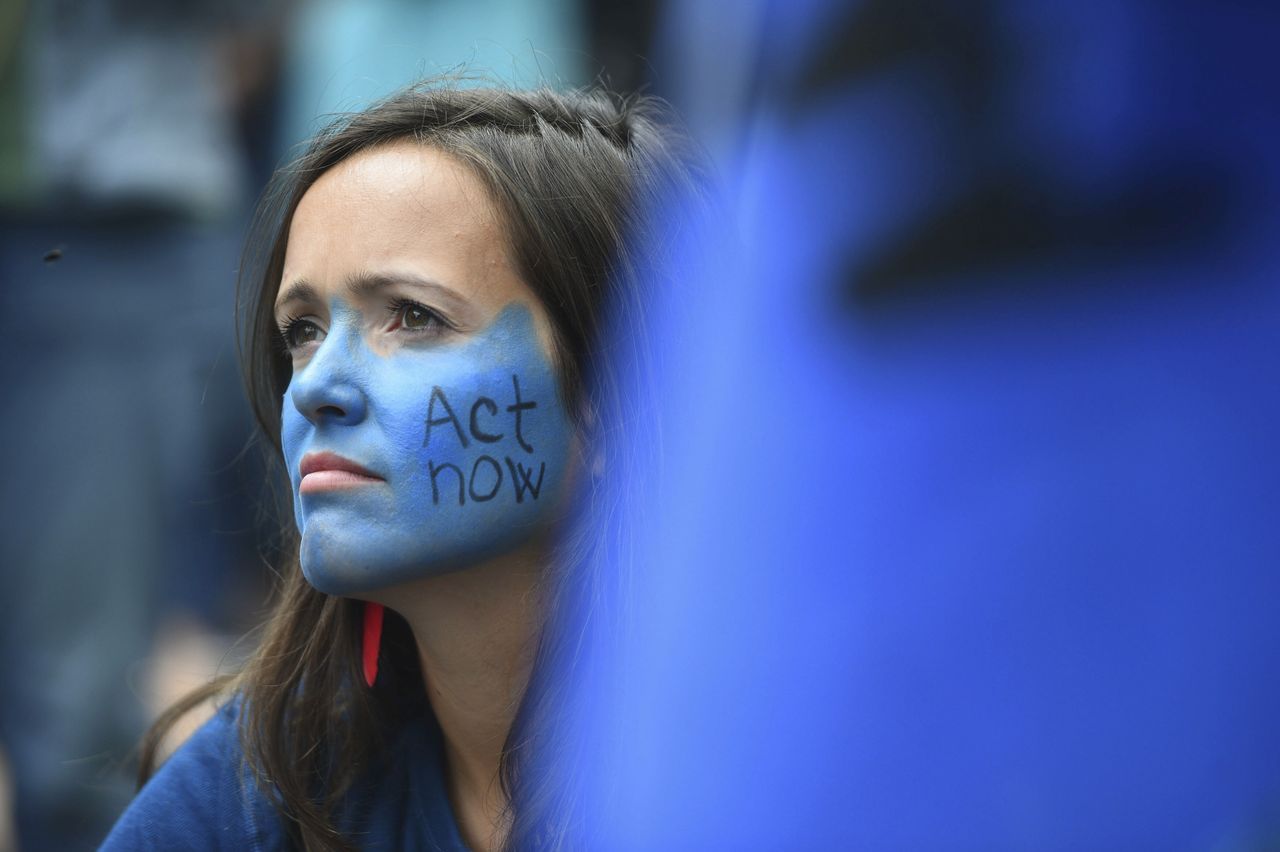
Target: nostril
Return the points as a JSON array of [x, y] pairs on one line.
[[322, 396]]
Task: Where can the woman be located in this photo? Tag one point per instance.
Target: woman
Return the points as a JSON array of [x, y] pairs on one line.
[[431, 289]]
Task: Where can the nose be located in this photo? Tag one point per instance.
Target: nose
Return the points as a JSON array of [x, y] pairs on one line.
[[329, 388]]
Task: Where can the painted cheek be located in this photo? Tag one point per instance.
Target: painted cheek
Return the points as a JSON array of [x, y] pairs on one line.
[[475, 444], [294, 431], [325, 396]]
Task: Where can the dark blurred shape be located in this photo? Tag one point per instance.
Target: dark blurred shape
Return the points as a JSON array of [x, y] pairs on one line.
[[1015, 207], [123, 500], [1010, 219], [968, 538], [961, 40], [619, 42]]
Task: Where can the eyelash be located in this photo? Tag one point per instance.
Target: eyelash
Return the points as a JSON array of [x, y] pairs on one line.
[[289, 327], [436, 323]]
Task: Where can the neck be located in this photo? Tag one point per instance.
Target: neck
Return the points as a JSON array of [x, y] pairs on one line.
[[476, 632]]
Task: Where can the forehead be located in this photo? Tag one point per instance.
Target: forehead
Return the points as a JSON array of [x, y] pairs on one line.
[[403, 207]]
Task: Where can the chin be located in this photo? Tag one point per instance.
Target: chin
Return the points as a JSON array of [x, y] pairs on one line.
[[336, 562], [339, 561]]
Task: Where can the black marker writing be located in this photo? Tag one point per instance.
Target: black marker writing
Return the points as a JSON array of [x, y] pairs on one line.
[[497, 483], [475, 430], [434, 470], [519, 408], [519, 475], [486, 476], [432, 420]]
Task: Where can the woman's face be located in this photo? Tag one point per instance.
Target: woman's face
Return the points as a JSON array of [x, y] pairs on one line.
[[423, 427]]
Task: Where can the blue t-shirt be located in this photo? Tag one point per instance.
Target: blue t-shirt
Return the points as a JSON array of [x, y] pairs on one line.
[[204, 798]]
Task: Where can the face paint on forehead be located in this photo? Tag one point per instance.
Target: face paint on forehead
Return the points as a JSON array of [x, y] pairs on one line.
[[425, 460]]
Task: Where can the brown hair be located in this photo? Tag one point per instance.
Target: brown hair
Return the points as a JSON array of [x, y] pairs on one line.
[[579, 177]]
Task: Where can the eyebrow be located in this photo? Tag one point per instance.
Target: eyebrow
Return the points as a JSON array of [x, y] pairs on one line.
[[365, 284], [298, 291]]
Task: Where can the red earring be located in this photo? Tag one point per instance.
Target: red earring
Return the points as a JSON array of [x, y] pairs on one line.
[[372, 640]]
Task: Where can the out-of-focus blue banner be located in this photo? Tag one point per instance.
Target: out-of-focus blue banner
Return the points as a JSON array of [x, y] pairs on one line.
[[971, 529]]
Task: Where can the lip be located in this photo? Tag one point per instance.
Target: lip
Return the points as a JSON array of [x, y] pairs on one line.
[[331, 472]]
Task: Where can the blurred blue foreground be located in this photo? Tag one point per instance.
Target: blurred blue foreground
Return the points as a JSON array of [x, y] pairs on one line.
[[972, 527]]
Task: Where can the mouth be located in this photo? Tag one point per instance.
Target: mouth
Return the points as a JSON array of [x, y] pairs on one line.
[[331, 472]]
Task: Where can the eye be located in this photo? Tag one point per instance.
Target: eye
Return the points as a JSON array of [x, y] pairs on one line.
[[417, 318], [298, 332], [412, 316]]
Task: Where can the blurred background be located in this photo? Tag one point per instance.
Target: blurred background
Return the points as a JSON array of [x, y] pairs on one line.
[[975, 535]]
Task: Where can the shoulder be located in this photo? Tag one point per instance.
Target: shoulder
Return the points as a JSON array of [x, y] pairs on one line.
[[202, 798]]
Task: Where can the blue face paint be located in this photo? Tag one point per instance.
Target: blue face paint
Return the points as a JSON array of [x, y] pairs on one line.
[[469, 443]]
